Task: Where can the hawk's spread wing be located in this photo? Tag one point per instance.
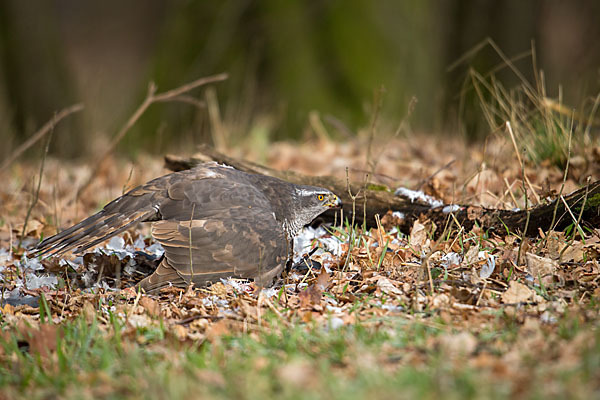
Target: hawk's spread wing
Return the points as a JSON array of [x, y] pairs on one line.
[[138, 205]]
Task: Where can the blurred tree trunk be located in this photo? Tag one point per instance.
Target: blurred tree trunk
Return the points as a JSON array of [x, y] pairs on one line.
[[34, 71]]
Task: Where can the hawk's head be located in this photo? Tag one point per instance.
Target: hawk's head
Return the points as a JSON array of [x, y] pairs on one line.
[[309, 203]]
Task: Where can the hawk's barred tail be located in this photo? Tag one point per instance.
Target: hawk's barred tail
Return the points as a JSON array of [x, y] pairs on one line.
[[117, 216]]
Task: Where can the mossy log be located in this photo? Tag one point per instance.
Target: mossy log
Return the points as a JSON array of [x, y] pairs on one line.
[[368, 202]]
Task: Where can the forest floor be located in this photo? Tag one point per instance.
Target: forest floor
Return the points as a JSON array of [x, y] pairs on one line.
[[378, 313]]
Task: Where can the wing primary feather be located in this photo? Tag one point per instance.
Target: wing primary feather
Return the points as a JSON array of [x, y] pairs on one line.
[[67, 232], [55, 243], [88, 233], [112, 233]]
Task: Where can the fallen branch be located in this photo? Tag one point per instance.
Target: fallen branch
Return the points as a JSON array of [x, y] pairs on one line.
[[381, 201]]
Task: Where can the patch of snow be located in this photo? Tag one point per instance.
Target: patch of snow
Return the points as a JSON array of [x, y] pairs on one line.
[[75, 263], [270, 292], [37, 281], [16, 297], [116, 246], [116, 243], [392, 307], [332, 244], [398, 214], [547, 318], [88, 278], [237, 284], [32, 264], [413, 195], [139, 243], [451, 258], [155, 250], [304, 240], [334, 309], [215, 301], [5, 258], [487, 269], [10, 294], [450, 208], [335, 323]]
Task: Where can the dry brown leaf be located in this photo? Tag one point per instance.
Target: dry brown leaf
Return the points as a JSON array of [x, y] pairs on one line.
[[179, 331], [322, 281], [440, 301], [472, 256], [574, 252], [310, 297], [42, 340], [34, 228], [7, 309], [459, 344], [216, 330], [298, 373], [517, 293], [538, 267], [384, 285], [88, 311], [151, 306], [418, 235]]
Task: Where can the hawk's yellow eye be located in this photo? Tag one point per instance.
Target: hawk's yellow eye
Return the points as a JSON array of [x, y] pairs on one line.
[[320, 197]]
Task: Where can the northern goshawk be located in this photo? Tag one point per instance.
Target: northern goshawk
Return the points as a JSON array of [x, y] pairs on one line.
[[242, 225]]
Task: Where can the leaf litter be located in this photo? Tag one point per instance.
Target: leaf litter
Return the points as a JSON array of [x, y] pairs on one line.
[[471, 286]]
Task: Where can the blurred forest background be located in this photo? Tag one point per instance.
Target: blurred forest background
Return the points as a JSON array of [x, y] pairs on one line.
[[285, 59]]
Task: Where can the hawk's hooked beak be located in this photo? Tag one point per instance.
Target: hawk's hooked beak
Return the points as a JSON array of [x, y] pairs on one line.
[[334, 202]]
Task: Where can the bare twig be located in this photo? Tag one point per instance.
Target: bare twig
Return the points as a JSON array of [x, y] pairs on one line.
[[190, 244], [430, 177], [577, 227], [151, 97], [340, 126], [352, 231], [314, 119], [509, 191], [218, 132], [10, 241], [36, 194], [514, 142], [48, 126], [377, 103], [523, 180], [562, 186]]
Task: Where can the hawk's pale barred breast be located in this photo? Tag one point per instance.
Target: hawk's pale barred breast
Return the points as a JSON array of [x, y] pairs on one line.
[[213, 221]]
